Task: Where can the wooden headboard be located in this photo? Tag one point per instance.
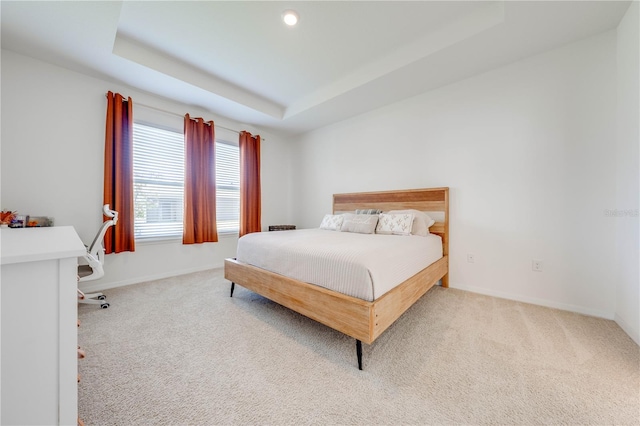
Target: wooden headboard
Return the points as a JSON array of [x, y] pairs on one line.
[[426, 200]]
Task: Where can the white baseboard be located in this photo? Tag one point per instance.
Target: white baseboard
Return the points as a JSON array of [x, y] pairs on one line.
[[93, 287], [536, 301], [633, 333]]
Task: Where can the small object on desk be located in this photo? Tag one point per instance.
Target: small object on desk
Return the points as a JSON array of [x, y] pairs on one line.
[[281, 227], [38, 221], [6, 217], [17, 221]]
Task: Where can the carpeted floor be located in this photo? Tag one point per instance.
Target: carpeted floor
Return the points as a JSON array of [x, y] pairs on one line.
[[180, 351]]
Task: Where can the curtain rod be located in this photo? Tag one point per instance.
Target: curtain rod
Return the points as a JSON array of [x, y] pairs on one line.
[[182, 116]]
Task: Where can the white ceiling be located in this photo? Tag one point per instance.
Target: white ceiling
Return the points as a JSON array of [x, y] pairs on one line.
[[237, 59]]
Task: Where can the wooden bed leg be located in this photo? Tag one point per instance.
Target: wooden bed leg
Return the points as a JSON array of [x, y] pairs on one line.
[[233, 285], [445, 281], [359, 353]]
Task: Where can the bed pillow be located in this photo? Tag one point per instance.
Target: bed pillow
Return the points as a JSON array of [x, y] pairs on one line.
[[359, 223], [395, 224], [421, 222], [332, 222], [368, 211]]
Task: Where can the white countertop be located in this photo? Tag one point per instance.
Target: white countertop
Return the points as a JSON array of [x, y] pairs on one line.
[[19, 245]]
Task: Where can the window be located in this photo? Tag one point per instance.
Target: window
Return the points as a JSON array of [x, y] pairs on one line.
[[227, 187], [158, 183]]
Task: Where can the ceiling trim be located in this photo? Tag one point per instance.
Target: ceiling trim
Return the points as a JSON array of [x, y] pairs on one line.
[[146, 56], [486, 16]]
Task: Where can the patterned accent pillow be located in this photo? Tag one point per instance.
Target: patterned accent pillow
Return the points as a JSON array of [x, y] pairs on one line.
[[421, 223], [395, 224], [332, 222], [360, 223], [368, 211]]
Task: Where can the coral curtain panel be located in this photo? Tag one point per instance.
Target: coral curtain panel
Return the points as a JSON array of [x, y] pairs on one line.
[[250, 198], [199, 182], [118, 172]]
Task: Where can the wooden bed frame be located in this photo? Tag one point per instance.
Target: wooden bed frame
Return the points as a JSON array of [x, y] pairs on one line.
[[360, 319]]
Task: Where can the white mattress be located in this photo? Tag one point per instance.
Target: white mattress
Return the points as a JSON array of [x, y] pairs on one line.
[[365, 266]]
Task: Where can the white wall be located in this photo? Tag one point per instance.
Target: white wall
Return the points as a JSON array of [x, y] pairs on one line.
[[534, 154], [53, 123], [528, 151], [627, 312]]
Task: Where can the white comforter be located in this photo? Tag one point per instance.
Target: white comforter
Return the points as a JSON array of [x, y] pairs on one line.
[[365, 266]]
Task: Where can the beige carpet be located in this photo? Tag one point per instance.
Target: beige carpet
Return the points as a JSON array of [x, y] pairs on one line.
[[179, 351]]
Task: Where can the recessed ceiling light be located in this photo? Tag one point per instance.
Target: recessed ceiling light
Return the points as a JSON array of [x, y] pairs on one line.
[[290, 17]]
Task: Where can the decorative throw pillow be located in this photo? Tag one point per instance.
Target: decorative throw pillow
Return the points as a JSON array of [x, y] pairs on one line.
[[396, 224], [360, 223], [332, 222], [421, 222], [368, 211]]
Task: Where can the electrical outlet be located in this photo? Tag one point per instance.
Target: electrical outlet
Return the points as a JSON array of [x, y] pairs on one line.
[[471, 258], [536, 265]]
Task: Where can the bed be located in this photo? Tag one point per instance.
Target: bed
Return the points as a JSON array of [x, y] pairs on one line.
[[364, 320]]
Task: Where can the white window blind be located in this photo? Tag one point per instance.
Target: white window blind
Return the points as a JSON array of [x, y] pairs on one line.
[[227, 187], [158, 183]]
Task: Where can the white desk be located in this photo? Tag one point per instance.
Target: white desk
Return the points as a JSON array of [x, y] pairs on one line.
[[39, 325]]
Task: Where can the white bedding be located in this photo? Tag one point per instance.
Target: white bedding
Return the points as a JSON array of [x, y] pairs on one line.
[[365, 266]]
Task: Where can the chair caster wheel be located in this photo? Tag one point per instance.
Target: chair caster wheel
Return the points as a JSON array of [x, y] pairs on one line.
[[104, 305], [102, 297]]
